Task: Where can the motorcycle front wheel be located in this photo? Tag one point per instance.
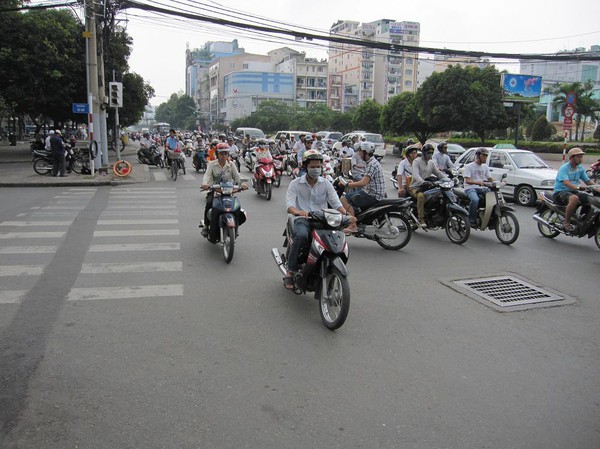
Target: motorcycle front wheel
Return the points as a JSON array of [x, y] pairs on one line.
[[457, 228], [398, 221], [77, 165], [268, 191], [507, 228], [42, 166], [597, 237], [551, 217], [228, 244], [335, 301]]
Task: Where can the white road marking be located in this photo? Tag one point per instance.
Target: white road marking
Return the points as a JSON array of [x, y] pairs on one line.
[[12, 296], [136, 247], [136, 232], [36, 223], [21, 270], [28, 250], [140, 221], [31, 235], [145, 291], [136, 267]]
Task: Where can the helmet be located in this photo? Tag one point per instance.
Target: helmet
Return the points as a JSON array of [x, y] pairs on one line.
[[308, 139], [222, 148], [311, 155], [367, 147], [411, 149], [214, 142], [356, 146], [427, 148], [262, 142], [482, 151], [222, 136], [410, 142], [574, 152], [442, 145], [51, 132], [282, 136], [271, 141]]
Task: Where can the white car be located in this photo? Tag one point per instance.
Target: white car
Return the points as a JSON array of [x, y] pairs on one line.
[[375, 139], [526, 174]]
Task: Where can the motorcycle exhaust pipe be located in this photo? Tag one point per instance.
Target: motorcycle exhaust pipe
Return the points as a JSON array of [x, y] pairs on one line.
[[539, 219], [278, 261]]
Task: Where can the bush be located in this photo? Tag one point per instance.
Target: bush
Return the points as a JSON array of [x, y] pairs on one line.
[[597, 133], [541, 129]]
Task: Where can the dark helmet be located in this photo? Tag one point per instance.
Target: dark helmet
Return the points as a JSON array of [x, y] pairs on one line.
[[482, 151], [427, 148], [410, 142], [311, 155], [442, 145]]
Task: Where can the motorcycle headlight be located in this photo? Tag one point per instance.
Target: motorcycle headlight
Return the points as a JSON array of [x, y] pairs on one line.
[[333, 219], [227, 190]]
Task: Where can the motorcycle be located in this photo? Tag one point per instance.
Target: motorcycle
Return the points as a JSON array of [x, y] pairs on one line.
[[231, 216], [42, 161], [385, 222], [263, 177], [550, 217], [494, 213], [150, 156], [442, 210], [188, 147], [594, 172], [292, 168], [278, 166], [322, 264], [249, 159], [199, 160]]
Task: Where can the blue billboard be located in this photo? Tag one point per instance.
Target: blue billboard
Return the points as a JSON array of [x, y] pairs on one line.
[[521, 87]]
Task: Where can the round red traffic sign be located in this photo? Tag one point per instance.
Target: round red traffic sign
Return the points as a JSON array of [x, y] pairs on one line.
[[569, 111]]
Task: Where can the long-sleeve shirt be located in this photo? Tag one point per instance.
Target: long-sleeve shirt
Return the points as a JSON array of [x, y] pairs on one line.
[[304, 197], [422, 170], [215, 173]]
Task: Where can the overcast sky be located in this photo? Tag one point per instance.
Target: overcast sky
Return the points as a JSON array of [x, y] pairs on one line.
[[508, 26]]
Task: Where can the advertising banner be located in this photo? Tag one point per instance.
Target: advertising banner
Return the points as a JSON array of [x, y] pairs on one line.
[[526, 88]]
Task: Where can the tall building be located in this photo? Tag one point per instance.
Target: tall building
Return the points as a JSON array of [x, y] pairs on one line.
[[562, 72], [310, 75], [357, 73]]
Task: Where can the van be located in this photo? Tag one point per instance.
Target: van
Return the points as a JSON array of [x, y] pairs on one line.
[[252, 133]]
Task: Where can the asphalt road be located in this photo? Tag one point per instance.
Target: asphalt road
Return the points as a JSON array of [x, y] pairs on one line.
[[163, 345]]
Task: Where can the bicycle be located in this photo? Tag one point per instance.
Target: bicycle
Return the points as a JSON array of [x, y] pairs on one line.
[[175, 164]]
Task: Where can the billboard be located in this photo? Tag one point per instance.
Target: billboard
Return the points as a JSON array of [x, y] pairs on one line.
[[521, 87]]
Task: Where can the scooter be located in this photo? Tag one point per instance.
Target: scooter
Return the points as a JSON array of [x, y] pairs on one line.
[[494, 213], [199, 160], [385, 222], [43, 161], [230, 216], [594, 172], [550, 217], [263, 177], [150, 156], [278, 166], [322, 264]]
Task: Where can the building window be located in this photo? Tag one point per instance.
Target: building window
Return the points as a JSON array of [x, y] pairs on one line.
[[320, 69], [245, 66], [407, 83], [408, 61], [408, 72], [232, 65]]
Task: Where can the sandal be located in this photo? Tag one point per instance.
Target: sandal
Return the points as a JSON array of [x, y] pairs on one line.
[[288, 282]]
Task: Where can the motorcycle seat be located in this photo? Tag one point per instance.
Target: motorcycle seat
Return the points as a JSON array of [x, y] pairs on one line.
[[460, 193], [388, 201]]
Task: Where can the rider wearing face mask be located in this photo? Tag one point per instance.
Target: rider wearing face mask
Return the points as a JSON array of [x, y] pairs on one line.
[[309, 192]]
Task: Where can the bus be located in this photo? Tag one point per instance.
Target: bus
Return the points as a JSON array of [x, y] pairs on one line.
[[162, 128]]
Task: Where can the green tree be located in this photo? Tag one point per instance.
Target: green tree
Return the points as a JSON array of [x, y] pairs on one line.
[[273, 116], [597, 133], [401, 115], [136, 95], [541, 129], [583, 99], [461, 99], [366, 116], [179, 111]]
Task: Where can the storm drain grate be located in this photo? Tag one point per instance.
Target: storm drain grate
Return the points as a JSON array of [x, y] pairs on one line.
[[507, 291]]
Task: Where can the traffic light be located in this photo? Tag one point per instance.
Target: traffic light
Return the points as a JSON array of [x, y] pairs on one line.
[[115, 95]]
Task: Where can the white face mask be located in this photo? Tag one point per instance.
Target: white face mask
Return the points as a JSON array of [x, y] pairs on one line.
[[314, 172]]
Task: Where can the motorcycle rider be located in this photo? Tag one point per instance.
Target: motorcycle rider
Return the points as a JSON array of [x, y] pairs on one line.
[[299, 148], [358, 165], [220, 170], [318, 144], [422, 168], [145, 143], [262, 152], [441, 158], [57, 147], [307, 193], [404, 171], [283, 146], [370, 189], [476, 174], [566, 185], [233, 149]]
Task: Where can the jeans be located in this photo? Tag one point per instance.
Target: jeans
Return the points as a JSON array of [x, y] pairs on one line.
[[473, 195], [299, 240], [58, 166]]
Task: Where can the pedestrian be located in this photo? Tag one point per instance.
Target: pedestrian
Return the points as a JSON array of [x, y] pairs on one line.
[[47, 142], [57, 147]]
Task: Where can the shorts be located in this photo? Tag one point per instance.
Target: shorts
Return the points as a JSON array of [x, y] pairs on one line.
[[563, 196], [360, 199]]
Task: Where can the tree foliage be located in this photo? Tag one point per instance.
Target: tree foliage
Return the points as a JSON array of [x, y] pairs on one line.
[[366, 116], [401, 115], [541, 130], [179, 111], [585, 105]]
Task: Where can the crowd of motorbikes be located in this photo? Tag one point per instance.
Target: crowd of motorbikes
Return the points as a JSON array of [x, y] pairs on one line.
[[42, 161]]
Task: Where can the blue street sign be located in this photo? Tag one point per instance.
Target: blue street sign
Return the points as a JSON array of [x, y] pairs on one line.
[[81, 108]]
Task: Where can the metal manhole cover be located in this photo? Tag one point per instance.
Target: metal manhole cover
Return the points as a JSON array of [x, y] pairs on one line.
[[507, 291]]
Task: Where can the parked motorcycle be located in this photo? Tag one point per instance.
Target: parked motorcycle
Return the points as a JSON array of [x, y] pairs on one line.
[[322, 265], [550, 217], [442, 211], [150, 156], [263, 177], [494, 213], [594, 172], [385, 222], [43, 161], [231, 216]]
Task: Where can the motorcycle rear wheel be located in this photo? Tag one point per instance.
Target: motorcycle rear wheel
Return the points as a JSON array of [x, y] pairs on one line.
[[507, 228], [268, 191], [335, 302], [551, 217], [398, 221], [78, 164], [457, 228], [277, 182], [597, 237], [228, 244], [42, 166], [174, 169]]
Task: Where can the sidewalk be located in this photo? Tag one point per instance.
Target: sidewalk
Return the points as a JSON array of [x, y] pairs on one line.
[[16, 170]]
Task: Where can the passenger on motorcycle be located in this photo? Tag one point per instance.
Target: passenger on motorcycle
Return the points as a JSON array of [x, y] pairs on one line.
[[220, 170], [212, 150], [476, 174], [566, 185], [307, 193], [299, 148], [404, 170], [318, 144], [358, 166], [370, 189], [441, 158], [262, 152], [283, 146], [423, 167], [233, 149]]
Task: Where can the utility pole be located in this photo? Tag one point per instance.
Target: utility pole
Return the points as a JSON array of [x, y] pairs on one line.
[[92, 74]]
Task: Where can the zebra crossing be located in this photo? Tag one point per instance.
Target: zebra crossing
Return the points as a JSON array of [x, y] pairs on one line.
[[190, 175], [134, 252]]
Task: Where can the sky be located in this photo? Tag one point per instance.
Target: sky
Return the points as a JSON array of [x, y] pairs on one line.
[[510, 26]]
